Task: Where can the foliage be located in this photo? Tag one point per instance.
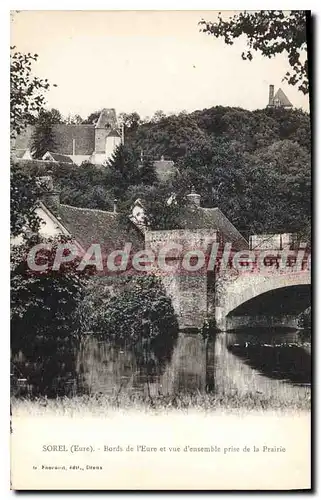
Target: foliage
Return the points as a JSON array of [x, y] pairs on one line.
[[174, 136], [44, 326], [269, 32], [73, 120], [23, 202], [92, 118], [26, 91], [125, 169], [253, 165], [130, 120], [139, 315], [43, 138], [278, 189], [161, 214]]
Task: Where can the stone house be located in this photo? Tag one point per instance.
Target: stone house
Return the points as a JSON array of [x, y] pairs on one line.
[[93, 143]]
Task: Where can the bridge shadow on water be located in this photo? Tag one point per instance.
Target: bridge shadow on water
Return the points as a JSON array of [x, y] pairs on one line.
[[275, 353]]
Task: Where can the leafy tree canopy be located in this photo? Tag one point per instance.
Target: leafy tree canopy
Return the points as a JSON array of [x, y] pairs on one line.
[[44, 325], [26, 91], [43, 138], [23, 202], [139, 315], [269, 32]]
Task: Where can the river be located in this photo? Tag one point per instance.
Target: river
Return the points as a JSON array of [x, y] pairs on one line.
[[248, 360]]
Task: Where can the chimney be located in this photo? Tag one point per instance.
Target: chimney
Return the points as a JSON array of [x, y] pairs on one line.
[[193, 198], [48, 194], [115, 206], [123, 133], [271, 95], [74, 147]]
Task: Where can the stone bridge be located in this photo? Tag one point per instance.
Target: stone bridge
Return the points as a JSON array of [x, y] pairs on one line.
[[258, 300], [233, 299]]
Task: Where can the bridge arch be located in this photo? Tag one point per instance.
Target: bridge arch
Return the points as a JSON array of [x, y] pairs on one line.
[[244, 293]]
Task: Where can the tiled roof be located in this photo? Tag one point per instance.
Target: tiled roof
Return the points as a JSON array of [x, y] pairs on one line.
[[113, 133], [84, 136], [212, 218], [280, 96], [107, 118], [111, 230], [60, 158]]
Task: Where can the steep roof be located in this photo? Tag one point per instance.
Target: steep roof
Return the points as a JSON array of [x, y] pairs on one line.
[[212, 218], [110, 230], [107, 118], [113, 133], [58, 157], [84, 136], [282, 98], [19, 153], [64, 134]]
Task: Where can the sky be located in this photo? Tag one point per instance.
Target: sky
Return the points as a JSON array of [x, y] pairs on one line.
[[143, 61]]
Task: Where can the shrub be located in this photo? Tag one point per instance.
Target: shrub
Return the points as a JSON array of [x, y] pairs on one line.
[[139, 315]]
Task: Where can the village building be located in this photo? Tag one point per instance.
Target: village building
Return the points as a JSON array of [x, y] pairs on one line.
[[112, 231], [94, 143], [56, 158], [278, 99]]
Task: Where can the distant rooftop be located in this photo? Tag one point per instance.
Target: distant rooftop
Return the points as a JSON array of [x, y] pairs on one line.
[[278, 99]]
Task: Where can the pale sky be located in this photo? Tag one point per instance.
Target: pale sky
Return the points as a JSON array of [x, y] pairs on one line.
[[143, 61]]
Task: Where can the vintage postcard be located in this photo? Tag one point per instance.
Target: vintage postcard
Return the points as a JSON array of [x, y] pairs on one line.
[[160, 250]]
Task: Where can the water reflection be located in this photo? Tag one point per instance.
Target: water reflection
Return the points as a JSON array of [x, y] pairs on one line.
[[278, 354], [195, 364], [107, 369]]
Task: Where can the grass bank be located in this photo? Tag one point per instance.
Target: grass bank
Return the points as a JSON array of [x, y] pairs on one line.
[[100, 404]]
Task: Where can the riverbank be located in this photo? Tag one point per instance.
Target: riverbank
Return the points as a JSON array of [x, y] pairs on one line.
[[100, 404]]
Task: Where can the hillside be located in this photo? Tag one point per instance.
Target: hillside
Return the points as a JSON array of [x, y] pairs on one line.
[[254, 165]]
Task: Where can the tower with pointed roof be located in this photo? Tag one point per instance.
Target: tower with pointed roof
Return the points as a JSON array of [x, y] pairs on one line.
[[278, 99], [107, 135]]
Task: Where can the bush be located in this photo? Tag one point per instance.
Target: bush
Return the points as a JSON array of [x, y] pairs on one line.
[[44, 327], [139, 316]]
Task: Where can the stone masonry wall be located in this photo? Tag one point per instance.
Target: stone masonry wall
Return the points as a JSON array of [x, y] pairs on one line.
[[188, 290]]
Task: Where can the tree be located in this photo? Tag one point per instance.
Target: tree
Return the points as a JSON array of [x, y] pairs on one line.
[[43, 138], [44, 327], [74, 120], [23, 202], [269, 32], [161, 214], [26, 91], [146, 172], [130, 120], [55, 116], [92, 118], [278, 189], [158, 116], [139, 316], [122, 170], [125, 169]]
